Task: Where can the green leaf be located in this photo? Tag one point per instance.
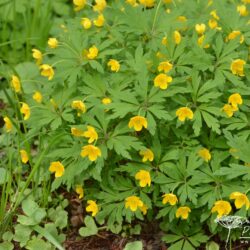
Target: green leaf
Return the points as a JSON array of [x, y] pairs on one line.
[[90, 229], [52, 229], [36, 243], [136, 245], [234, 171], [177, 246], [151, 123], [22, 234], [159, 112], [96, 65], [3, 175], [58, 216], [32, 210], [48, 236], [240, 144], [212, 246], [211, 122], [6, 246], [122, 144], [197, 124]]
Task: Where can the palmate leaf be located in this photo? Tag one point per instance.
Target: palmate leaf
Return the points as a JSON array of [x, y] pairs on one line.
[[241, 145], [234, 171], [208, 97], [120, 110], [160, 112], [211, 122], [122, 144], [94, 86], [135, 20], [236, 123], [43, 116]]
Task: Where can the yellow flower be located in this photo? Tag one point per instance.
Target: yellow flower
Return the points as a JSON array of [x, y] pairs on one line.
[[240, 200], [37, 54], [138, 122], [200, 28], [91, 134], [57, 168], [165, 66], [106, 100], [181, 19], [183, 212], [162, 81], [132, 2], [77, 132], [237, 67], [212, 23], [167, 1], [210, 2], [144, 209], [235, 99], [147, 3], [164, 41], [144, 177], [47, 71], [169, 198], [86, 23], [8, 124], [24, 156], [79, 191], [25, 110], [15, 84], [234, 34], [184, 113], [147, 154], [201, 40], [229, 109], [91, 151], [92, 207], [205, 154], [100, 5], [242, 9], [79, 106], [246, 1], [53, 43], [37, 97], [213, 13], [222, 208], [79, 4], [177, 37], [114, 65], [92, 53], [133, 202], [99, 22]]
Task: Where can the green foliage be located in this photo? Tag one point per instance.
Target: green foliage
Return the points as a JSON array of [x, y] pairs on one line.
[[90, 229], [118, 132], [136, 245]]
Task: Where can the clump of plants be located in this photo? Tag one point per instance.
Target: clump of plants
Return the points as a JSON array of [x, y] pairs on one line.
[[142, 109]]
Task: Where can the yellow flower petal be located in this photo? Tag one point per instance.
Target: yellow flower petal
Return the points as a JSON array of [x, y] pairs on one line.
[[144, 177], [57, 168], [138, 122], [91, 151]]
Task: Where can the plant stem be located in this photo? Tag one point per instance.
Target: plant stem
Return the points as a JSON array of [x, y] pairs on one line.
[[156, 15]]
